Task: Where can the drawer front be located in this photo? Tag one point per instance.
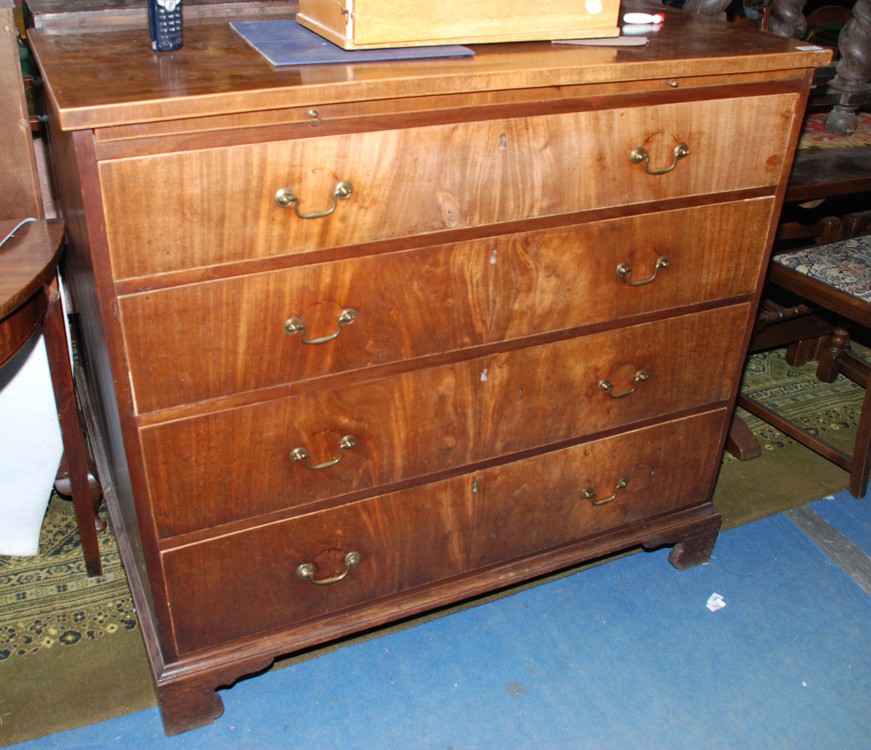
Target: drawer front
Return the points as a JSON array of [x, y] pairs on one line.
[[218, 205], [245, 583], [230, 336], [424, 422]]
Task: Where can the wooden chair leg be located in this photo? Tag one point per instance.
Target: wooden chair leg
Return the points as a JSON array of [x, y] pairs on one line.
[[857, 223], [75, 450], [827, 367], [798, 354], [741, 442], [862, 450], [856, 369], [64, 487]]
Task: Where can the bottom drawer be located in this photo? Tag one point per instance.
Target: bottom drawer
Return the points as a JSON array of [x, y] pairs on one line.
[[250, 582]]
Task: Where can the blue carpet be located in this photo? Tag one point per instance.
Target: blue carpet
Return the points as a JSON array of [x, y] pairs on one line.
[[848, 515], [625, 655]]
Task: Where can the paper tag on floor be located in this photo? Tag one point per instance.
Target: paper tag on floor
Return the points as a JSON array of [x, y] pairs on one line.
[[715, 602]]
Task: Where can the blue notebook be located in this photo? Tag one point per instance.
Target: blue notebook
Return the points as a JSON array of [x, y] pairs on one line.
[[288, 43]]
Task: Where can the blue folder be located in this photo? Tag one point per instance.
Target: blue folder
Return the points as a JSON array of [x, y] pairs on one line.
[[288, 43]]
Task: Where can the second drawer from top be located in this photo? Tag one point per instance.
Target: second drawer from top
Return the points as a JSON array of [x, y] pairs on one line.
[[283, 327]]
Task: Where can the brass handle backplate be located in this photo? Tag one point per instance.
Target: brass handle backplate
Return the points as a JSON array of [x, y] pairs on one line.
[[286, 198], [295, 325], [606, 385], [590, 494], [640, 156], [306, 571], [301, 455], [624, 270]]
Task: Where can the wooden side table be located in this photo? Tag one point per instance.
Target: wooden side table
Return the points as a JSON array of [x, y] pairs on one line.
[[30, 299]]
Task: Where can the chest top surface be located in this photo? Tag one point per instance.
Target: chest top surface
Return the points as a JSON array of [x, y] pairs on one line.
[[107, 78]]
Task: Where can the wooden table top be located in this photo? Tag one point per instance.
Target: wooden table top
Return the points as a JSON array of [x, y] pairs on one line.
[[106, 78], [28, 260]]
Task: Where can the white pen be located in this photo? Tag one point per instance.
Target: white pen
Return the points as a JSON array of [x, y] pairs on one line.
[[654, 18]]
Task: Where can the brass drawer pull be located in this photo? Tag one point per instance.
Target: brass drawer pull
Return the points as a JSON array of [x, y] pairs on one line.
[[606, 385], [590, 493], [625, 270], [306, 571], [640, 156], [300, 455], [286, 198], [295, 325]]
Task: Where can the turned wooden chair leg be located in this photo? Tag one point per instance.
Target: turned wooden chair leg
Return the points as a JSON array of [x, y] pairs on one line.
[[75, 450], [827, 364], [851, 71]]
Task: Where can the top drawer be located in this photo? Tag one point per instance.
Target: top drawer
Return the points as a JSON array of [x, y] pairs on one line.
[[218, 205]]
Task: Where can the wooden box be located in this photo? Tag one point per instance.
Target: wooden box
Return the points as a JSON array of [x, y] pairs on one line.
[[362, 24]]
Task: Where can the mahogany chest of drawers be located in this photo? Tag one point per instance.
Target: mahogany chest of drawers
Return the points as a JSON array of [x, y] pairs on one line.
[[360, 341]]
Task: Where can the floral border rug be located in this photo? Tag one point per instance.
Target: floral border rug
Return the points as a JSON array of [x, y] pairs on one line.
[[49, 602]]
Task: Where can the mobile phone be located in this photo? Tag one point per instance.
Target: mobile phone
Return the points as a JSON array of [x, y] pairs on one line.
[[164, 21]]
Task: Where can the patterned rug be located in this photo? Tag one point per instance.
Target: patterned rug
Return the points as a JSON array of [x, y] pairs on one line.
[[814, 135], [48, 603], [795, 393]]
